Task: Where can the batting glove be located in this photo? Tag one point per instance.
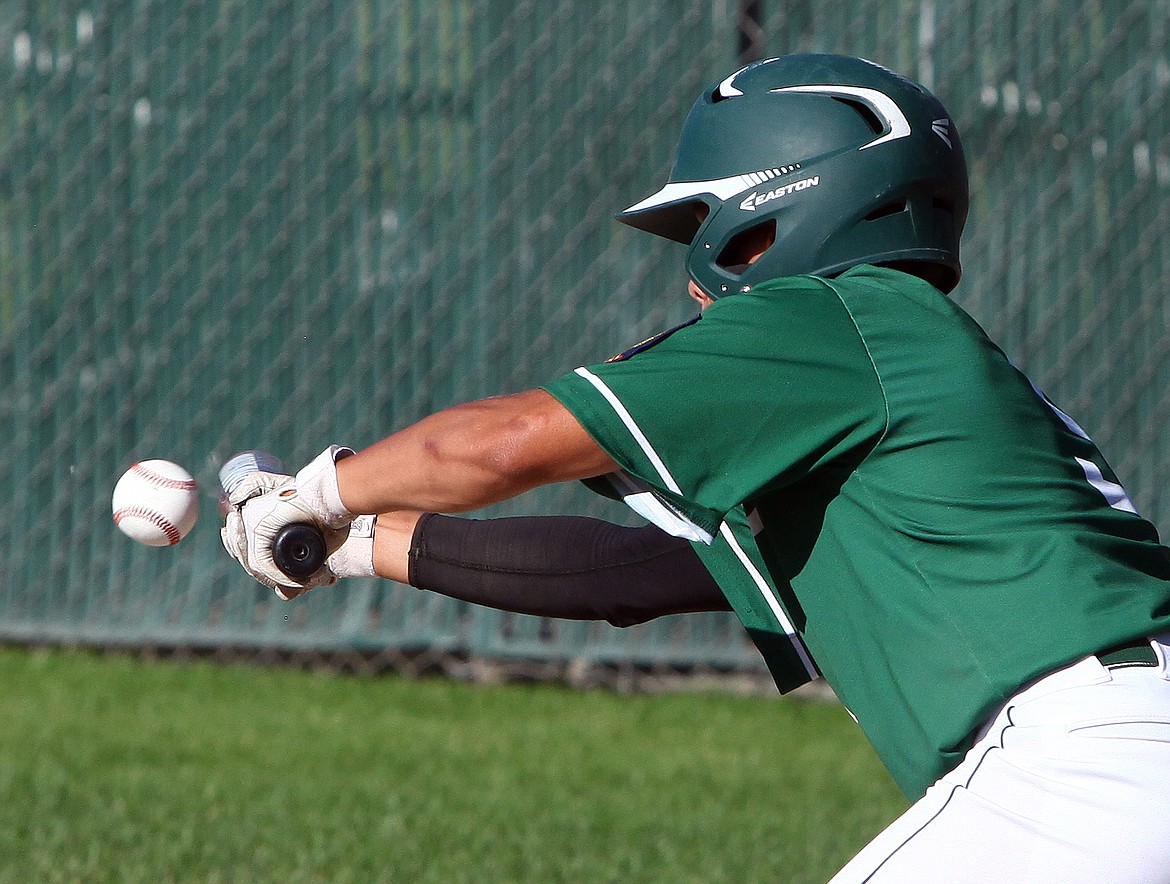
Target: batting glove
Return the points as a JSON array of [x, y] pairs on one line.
[[265, 503], [355, 558]]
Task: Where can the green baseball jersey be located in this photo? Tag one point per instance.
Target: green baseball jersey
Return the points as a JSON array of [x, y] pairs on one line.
[[883, 497]]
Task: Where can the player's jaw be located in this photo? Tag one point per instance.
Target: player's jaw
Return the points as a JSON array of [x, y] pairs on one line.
[[700, 297]]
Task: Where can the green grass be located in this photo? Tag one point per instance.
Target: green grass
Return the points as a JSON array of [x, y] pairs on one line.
[[115, 769]]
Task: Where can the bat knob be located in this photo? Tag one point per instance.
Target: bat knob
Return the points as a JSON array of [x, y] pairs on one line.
[[299, 550]]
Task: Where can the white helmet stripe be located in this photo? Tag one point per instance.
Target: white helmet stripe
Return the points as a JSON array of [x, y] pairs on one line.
[[725, 188], [728, 89], [882, 105], [720, 188]]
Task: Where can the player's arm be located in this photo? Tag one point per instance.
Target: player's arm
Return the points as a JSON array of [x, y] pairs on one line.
[[472, 455], [460, 459], [568, 567]]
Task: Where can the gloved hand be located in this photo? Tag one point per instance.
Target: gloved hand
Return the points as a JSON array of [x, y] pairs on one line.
[[355, 558], [264, 503]]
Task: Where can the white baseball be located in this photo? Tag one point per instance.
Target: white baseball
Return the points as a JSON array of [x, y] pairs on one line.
[[156, 502]]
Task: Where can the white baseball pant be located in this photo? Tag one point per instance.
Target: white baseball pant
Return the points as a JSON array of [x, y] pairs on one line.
[[1069, 783]]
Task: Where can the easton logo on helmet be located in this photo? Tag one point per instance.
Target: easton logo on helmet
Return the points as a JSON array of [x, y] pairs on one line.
[[758, 199]]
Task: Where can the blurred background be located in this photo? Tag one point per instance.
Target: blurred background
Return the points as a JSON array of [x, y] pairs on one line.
[[280, 224]]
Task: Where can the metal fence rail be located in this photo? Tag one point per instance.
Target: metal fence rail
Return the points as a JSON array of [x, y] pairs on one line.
[[280, 223]]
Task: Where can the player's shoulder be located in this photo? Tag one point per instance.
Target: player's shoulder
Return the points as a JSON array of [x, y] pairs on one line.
[[795, 292], [775, 291], [778, 302], [889, 287], [901, 304]]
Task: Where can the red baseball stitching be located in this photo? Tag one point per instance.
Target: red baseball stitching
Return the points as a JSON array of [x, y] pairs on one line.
[[162, 481], [140, 512]]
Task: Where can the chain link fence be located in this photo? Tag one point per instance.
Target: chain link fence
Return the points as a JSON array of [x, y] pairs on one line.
[[282, 223]]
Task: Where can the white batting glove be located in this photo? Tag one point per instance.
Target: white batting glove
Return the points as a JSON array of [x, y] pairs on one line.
[[265, 503], [355, 558]]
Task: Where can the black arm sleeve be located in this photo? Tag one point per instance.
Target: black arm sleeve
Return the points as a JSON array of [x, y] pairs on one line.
[[569, 567]]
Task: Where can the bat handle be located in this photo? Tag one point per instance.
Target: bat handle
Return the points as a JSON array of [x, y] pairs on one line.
[[299, 550]]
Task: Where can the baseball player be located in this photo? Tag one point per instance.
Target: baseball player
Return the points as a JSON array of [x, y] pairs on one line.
[[836, 451]]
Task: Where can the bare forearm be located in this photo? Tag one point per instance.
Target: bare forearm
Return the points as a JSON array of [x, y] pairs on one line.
[[444, 463], [471, 456], [392, 540]]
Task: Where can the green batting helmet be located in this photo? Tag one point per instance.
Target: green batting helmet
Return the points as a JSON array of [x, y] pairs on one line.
[[851, 162]]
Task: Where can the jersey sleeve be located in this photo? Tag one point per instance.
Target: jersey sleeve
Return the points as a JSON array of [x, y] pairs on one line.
[[763, 388]]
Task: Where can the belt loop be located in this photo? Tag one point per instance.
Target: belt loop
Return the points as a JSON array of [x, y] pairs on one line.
[[1161, 646], [1139, 652]]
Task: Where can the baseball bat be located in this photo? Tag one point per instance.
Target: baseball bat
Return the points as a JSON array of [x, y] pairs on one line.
[[299, 549]]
